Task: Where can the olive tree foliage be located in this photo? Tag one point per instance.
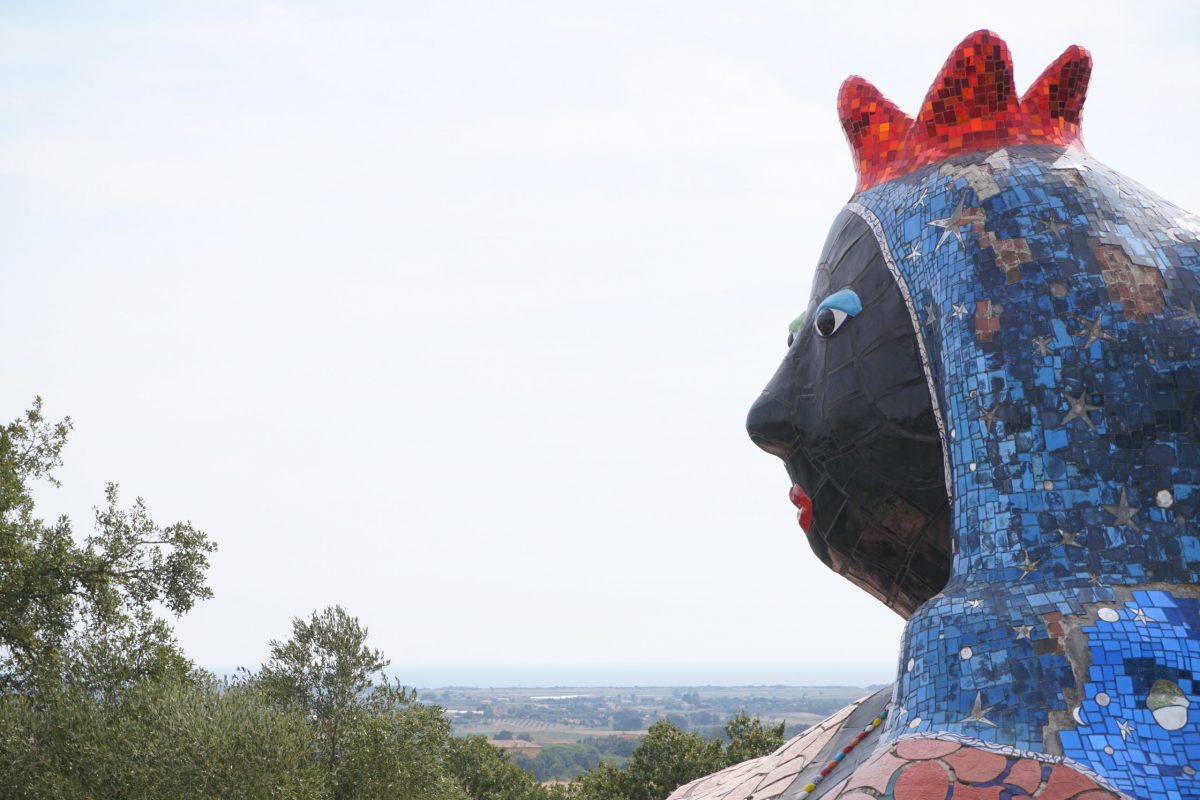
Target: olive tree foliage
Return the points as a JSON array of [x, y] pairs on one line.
[[166, 739], [749, 738], [327, 671], [664, 760], [487, 773], [394, 753], [311, 725], [86, 610], [668, 757], [371, 739]]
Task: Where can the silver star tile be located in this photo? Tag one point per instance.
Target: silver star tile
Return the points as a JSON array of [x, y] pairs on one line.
[[1067, 539], [1023, 632], [978, 712], [930, 314], [1173, 235], [989, 417], [1093, 330], [1070, 159], [1054, 227], [1141, 616], [960, 310], [998, 159], [1041, 345], [1123, 513], [1189, 313], [1126, 729], [951, 224], [915, 253], [1028, 567], [1079, 408]]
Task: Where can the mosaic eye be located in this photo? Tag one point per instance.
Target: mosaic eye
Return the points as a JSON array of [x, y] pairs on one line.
[[835, 310]]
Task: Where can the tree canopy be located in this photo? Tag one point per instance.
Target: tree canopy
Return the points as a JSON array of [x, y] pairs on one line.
[[87, 607]]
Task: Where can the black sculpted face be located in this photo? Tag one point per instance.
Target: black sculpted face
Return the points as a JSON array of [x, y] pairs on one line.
[[849, 412]]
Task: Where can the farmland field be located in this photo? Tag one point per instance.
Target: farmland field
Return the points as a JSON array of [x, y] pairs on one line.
[[553, 715]]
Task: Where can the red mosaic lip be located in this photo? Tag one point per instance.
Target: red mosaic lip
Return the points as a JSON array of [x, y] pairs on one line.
[[802, 501]]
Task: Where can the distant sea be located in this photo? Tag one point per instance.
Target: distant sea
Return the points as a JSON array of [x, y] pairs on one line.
[[432, 676]]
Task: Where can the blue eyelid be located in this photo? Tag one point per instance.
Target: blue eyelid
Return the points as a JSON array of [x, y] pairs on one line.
[[844, 300]]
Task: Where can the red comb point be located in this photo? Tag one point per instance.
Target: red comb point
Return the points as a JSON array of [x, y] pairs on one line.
[[1053, 105], [972, 105], [875, 126]]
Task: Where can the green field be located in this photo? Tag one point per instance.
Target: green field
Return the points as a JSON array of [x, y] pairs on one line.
[[553, 715]]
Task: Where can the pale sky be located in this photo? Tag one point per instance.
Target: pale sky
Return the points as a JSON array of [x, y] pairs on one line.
[[452, 312]]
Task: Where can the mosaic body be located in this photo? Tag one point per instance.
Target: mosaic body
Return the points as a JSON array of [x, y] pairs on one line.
[[990, 413]]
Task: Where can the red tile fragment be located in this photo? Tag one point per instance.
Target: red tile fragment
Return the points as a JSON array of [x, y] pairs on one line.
[[923, 780], [1027, 774], [962, 792], [1010, 253], [987, 319], [1138, 289], [1065, 783], [1053, 623], [919, 749], [976, 766], [877, 772]]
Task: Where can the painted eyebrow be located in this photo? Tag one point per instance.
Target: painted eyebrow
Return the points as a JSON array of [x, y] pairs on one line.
[[844, 300]]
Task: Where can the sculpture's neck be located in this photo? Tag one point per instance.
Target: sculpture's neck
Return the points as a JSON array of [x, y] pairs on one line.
[[1046, 490], [1060, 509]]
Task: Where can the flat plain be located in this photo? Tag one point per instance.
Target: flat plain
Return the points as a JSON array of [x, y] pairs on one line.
[[558, 714]]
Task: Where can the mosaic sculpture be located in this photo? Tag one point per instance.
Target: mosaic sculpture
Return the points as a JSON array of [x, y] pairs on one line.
[[990, 413]]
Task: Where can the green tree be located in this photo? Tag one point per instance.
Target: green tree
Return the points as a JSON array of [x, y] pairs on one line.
[[562, 761], [664, 760], [627, 720], [749, 738], [396, 752], [86, 612], [485, 773], [161, 739], [371, 739], [326, 670], [605, 782]]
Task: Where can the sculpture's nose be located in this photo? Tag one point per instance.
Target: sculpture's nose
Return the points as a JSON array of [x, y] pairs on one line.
[[769, 424]]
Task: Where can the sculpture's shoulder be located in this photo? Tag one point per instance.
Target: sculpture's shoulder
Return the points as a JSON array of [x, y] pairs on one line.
[[916, 768], [785, 773]]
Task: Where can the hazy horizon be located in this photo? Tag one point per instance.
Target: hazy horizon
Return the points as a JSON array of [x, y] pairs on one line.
[[632, 675]]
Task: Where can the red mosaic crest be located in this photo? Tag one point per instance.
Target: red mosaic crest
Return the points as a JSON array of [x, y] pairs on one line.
[[972, 105]]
